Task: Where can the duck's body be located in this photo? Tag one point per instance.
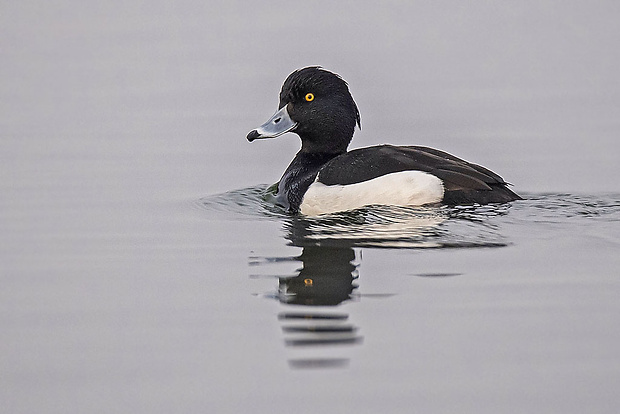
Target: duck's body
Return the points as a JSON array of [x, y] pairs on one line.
[[324, 178]]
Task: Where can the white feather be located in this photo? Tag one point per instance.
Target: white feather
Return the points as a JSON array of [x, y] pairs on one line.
[[406, 188]]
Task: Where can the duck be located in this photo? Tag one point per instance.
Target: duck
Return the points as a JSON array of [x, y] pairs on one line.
[[325, 177]]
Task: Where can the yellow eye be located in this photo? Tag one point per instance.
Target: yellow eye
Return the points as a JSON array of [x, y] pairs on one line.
[[309, 97]]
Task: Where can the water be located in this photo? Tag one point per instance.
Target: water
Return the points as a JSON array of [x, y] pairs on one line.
[[142, 270], [459, 308]]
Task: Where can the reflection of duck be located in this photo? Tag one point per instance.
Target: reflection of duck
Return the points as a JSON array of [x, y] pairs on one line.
[[381, 226], [326, 278], [323, 177], [329, 271]]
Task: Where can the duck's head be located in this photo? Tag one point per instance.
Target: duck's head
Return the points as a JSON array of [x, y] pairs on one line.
[[316, 105]]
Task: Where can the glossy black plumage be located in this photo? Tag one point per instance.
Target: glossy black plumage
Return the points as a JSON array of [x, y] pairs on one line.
[[464, 182], [317, 105]]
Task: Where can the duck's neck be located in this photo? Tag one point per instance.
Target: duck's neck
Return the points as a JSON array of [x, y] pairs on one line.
[[300, 173], [327, 142]]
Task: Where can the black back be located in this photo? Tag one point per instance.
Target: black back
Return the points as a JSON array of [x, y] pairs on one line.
[[464, 182]]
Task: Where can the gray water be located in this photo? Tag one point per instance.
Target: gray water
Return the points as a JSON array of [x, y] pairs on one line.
[[142, 271]]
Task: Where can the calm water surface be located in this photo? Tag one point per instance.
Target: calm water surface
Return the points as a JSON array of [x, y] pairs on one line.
[[143, 272]]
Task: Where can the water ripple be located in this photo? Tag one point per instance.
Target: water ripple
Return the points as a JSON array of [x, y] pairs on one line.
[[250, 202], [413, 227]]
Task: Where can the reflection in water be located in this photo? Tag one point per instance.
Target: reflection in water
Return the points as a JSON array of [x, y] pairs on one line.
[[326, 279], [329, 266], [328, 276], [401, 227], [329, 271], [379, 226]]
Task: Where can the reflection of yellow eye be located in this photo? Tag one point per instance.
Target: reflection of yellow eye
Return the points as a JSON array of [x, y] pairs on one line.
[[309, 97]]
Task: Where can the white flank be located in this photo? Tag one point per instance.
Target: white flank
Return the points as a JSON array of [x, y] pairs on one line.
[[406, 188]]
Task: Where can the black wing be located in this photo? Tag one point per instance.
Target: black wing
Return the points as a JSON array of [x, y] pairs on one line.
[[464, 182]]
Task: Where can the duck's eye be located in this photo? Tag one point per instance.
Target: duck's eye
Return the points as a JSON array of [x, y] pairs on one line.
[[309, 97]]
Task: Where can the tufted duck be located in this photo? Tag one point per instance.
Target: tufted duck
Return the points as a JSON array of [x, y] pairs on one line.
[[324, 178]]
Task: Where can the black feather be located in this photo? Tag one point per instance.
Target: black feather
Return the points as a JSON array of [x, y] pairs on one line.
[[468, 182]]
